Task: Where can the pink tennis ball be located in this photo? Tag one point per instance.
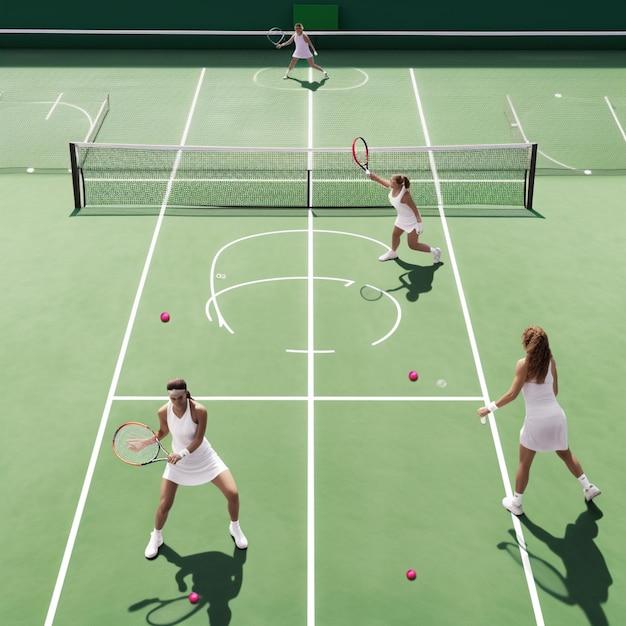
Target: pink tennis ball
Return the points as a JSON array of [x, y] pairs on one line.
[[193, 597], [165, 316], [413, 375], [411, 574]]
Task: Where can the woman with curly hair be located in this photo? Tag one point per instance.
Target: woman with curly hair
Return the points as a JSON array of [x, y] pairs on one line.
[[545, 425]]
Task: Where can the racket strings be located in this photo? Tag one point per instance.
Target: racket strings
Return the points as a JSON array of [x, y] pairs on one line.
[[122, 444]]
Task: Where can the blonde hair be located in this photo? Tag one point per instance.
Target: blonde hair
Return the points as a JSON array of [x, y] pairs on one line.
[[538, 353]]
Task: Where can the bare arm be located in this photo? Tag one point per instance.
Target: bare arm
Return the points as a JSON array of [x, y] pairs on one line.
[[379, 180], [286, 43], [199, 416], [407, 198], [555, 376], [309, 43], [516, 386]]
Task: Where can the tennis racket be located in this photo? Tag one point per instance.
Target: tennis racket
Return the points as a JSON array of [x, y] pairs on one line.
[[276, 36], [136, 444], [360, 153]]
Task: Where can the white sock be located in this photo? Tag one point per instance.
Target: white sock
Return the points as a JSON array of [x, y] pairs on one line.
[[517, 498], [234, 524], [584, 481], [157, 532]]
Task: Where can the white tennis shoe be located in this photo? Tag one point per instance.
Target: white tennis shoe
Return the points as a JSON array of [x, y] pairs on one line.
[[237, 534], [152, 549], [436, 255], [591, 492], [326, 76], [510, 506], [388, 256]]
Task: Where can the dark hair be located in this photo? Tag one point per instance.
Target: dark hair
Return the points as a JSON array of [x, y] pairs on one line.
[[178, 383], [403, 180], [538, 353]]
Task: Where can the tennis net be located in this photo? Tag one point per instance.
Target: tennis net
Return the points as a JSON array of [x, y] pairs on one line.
[[201, 176]]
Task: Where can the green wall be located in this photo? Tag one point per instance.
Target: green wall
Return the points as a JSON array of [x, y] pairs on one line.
[[481, 15]]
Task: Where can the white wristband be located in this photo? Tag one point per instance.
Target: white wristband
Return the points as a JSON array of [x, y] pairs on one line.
[[492, 406], [183, 453]]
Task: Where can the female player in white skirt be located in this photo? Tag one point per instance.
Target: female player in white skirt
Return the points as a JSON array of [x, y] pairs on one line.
[[409, 219], [192, 462], [545, 425], [304, 46]]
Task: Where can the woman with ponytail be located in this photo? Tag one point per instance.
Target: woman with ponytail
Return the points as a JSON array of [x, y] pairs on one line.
[[545, 424]]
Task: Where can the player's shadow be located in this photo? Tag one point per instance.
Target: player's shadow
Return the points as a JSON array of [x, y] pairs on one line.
[[215, 576], [416, 280], [306, 84], [586, 578]]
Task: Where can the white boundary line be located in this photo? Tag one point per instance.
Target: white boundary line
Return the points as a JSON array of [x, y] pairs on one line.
[[310, 560], [530, 581], [54, 106], [302, 398], [69, 547], [612, 110]]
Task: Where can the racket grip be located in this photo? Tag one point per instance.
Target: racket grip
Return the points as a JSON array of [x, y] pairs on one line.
[[315, 53], [483, 420], [368, 173]]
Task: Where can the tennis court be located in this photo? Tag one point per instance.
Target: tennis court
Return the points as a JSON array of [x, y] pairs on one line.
[[299, 342]]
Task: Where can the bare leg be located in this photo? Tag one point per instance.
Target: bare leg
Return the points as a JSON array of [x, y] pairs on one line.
[[412, 239], [315, 66], [168, 492], [226, 484], [526, 457], [571, 461]]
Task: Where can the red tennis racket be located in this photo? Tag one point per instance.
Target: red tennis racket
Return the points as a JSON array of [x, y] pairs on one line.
[[360, 153]]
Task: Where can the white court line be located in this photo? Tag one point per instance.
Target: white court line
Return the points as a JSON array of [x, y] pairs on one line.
[[54, 106], [621, 130], [69, 547], [305, 398], [310, 560], [530, 581], [521, 130]]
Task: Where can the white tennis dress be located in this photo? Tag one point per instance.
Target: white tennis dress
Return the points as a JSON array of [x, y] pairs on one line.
[[302, 50], [406, 219], [201, 466], [545, 424]]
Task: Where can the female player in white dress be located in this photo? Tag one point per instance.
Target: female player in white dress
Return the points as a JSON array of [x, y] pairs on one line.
[[409, 219], [545, 425], [304, 46], [191, 462]]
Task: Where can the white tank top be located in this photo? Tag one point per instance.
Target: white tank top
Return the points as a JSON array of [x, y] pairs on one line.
[[404, 210]]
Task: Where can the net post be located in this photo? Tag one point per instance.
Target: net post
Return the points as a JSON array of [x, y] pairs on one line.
[[530, 178], [77, 184]]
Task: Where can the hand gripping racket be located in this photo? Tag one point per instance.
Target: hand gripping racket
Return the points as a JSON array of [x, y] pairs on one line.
[[275, 36], [360, 153], [136, 444]]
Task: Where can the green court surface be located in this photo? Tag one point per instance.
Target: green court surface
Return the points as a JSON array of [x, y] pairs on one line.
[[299, 341]]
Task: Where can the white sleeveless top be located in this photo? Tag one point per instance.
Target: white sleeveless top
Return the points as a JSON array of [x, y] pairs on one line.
[[302, 50], [545, 424], [406, 219], [201, 466]]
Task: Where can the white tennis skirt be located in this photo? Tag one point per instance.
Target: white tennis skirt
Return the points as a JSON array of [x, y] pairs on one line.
[[201, 466]]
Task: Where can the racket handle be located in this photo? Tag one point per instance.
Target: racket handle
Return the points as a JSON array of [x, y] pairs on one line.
[[315, 52], [368, 173], [483, 420]]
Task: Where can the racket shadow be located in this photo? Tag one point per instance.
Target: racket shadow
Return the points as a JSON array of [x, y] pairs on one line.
[[582, 578], [215, 576], [416, 280]]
